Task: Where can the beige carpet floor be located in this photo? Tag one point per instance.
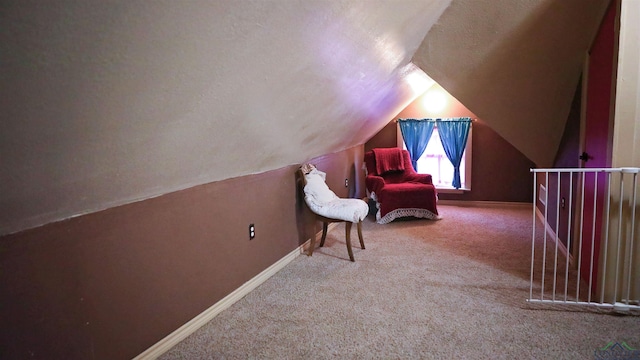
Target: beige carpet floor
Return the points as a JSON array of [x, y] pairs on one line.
[[449, 289]]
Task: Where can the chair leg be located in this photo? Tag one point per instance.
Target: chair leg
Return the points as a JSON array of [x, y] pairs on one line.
[[325, 225], [360, 234], [312, 243], [348, 230]]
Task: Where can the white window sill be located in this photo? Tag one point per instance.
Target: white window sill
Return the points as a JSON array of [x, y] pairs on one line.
[[450, 190]]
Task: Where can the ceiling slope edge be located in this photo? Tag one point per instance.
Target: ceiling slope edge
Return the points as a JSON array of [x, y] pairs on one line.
[[514, 63], [109, 103]]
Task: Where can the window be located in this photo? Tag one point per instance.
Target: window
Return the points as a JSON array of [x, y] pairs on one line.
[[434, 161]]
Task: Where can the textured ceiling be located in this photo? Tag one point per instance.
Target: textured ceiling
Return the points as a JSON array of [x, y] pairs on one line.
[[105, 103], [108, 102]]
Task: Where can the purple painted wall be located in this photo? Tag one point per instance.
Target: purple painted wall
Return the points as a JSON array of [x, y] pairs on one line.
[[567, 157], [499, 171], [110, 284]]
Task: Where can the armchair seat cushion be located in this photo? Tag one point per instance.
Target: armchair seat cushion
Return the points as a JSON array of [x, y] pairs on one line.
[[406, 193], [405, 196]]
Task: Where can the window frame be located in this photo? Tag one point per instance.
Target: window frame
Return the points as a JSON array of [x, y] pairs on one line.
[[467, 162]]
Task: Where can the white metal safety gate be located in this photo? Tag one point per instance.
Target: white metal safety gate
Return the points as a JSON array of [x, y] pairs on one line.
[[585, 247]]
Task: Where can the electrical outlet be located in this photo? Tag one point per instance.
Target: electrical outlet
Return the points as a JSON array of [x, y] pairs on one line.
[[346, 182], [252, 231]]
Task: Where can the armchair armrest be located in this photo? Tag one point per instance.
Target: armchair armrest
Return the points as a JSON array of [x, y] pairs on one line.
[[421, 178], [374, 183]]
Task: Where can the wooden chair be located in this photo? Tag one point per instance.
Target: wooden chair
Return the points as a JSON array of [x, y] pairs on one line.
[[327, 207]]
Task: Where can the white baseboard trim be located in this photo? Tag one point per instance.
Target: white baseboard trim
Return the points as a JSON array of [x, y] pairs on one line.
[[194, 324], [200, 320], [468, 203], [553, 238]]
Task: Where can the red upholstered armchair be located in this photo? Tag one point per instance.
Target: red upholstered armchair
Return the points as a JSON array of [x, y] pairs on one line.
[[396, 187]]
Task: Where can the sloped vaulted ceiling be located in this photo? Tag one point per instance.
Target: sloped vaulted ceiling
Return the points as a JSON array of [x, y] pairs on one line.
[[514, 63], [104, 103], [107, 102]]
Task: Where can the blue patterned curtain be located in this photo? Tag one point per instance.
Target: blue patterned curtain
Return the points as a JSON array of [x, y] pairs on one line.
[[453, 135], [416, 134]]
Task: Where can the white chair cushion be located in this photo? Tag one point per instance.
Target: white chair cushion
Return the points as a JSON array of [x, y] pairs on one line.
[[324, 202], [317, 189]]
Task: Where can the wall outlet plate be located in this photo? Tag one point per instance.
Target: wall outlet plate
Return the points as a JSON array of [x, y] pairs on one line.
[[252, 231], [346, 182]]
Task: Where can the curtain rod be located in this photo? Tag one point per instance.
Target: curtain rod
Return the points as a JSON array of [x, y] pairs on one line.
[[434, 119]]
